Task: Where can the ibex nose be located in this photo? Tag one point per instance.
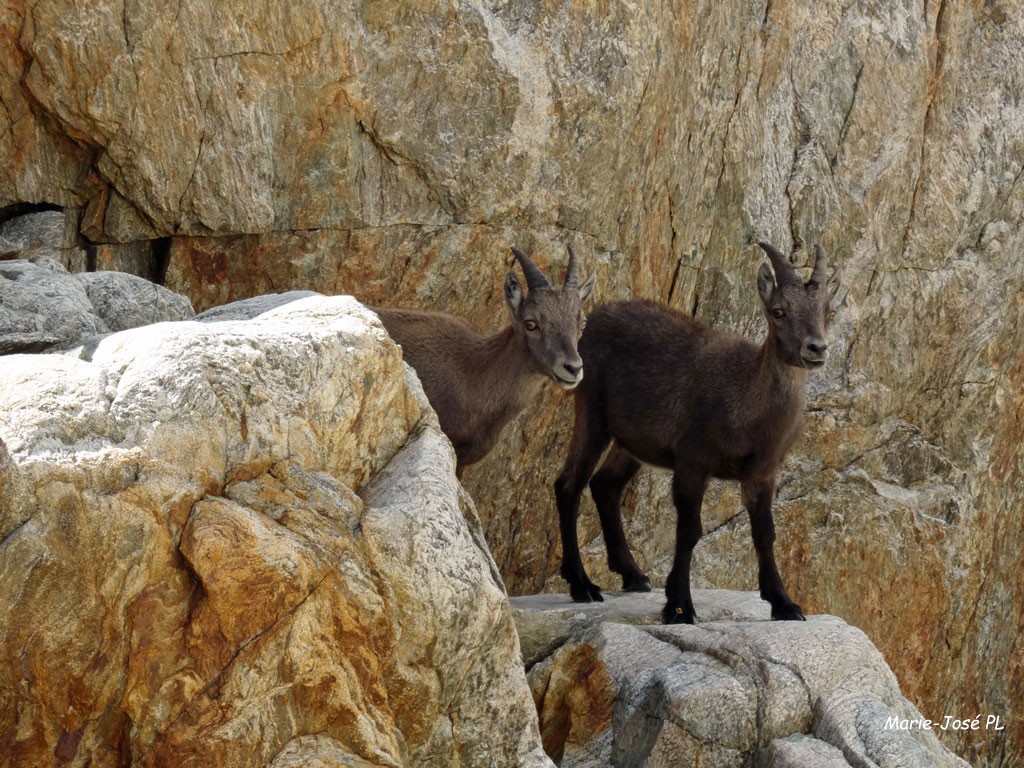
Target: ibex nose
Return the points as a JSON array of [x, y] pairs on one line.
[[568, 373], [814, 352]]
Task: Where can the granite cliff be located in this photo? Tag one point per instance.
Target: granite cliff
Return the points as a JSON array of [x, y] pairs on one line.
[[214, 555], [395, 151], [211, 555]]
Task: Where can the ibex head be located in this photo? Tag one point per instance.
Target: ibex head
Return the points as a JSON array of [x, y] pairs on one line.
[[799, 313], [550, 320]]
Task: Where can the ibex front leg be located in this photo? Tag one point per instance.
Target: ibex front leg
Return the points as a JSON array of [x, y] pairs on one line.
[[688, 495], [757, 498]]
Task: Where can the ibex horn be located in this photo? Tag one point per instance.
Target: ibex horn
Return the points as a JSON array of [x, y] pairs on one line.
[[535, 279], [785, 272], [819, 276], [572, 272]]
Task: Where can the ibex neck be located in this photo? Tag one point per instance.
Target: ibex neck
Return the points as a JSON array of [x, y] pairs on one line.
[[507, 367], [785, 383]]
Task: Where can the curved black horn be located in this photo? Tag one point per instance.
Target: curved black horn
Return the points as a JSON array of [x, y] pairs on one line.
[[785, 272], [820, 274], [572, 272], [535, 279]]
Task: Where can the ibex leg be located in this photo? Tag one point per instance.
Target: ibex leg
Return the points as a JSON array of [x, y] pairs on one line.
[[688, 495], [757, 498], [607, 487], [588, 443]]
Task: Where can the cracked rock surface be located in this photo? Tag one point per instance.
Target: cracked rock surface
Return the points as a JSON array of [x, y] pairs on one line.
[[395, 150], [213, 553], [734, 690], [43, 306]]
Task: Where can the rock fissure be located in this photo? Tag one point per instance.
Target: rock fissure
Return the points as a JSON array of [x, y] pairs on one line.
[[725, 522], [845, 127], [932, 89]]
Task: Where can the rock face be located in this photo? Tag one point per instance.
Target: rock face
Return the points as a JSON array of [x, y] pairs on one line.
[[44, 307], [42, 237], [744, 691], [243, 544], [396, 150], [246, 309]]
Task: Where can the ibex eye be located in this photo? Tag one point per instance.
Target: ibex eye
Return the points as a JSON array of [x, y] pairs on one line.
[[778, 313], [530, 325]]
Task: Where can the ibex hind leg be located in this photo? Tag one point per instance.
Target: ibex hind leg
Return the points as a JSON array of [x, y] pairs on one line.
[[589, 440], [607, 487], [567, 498]]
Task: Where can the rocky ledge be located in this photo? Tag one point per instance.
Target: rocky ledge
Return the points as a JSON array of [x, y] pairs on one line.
[[615, 688]]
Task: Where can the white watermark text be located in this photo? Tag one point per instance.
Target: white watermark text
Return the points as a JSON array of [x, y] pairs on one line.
[[948, 723]]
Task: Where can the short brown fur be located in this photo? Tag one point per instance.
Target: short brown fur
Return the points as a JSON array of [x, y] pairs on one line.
[[478, 383], [666, 390]]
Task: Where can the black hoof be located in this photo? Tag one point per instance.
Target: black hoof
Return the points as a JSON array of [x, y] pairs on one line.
[[789, 612], [589, 593], [677, 615], [638, 583]]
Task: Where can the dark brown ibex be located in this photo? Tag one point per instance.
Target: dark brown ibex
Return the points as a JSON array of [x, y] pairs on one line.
[[668, 391], [478, 383]]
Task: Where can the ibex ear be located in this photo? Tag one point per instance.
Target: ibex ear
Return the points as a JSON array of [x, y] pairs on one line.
[[513, 293], [765, 283], [587, 287]]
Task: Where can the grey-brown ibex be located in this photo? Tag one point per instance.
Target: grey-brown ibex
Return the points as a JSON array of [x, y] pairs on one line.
[[666, 390], [478, 383]]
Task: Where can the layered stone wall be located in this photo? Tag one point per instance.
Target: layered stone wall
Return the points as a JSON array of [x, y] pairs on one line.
[[396, 150]]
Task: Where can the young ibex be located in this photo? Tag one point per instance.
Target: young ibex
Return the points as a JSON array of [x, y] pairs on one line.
[[477, 383], [673, 393]]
